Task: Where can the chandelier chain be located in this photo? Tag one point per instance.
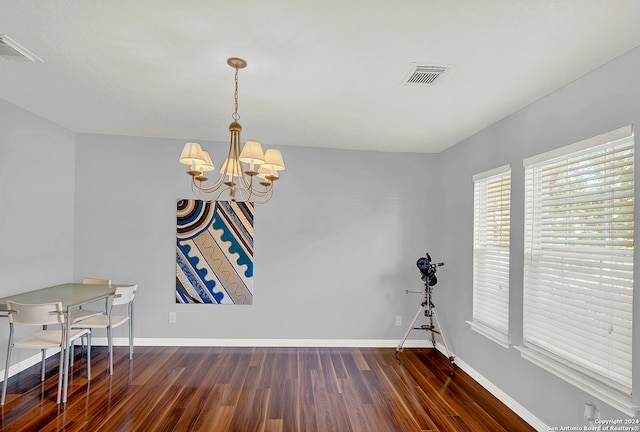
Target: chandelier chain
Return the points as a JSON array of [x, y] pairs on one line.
[[236, 116]]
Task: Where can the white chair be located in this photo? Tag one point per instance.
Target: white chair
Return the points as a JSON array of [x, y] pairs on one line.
[[42, 315], [123, 295], [77, 315], [80, 314]]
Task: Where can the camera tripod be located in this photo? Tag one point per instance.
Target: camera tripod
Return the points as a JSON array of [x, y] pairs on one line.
[[429, 311]]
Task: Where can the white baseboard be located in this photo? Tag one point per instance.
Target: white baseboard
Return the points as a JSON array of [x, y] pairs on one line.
[[338, 343]]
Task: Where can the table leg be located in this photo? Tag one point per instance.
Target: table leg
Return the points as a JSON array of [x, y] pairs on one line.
[[66, 352]]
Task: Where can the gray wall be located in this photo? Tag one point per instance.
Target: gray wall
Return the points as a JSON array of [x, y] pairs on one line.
[[37, 165], [334, 250], [601, 101]]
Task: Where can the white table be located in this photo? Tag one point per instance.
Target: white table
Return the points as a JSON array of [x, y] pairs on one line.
[[72, 296]]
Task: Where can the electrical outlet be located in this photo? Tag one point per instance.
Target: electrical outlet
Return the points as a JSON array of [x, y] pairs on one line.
[[398, 320], [591, 413], [172, 317]]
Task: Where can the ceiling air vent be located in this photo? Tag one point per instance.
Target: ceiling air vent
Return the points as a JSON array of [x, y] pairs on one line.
[[11, 50], [424, 75]]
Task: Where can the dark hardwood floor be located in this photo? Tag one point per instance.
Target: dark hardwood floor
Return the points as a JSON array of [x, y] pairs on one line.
[[258, 389]]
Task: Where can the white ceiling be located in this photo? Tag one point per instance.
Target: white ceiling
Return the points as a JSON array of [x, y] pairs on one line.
[[321, 74]]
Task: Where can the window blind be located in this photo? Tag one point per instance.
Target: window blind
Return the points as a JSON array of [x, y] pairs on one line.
[[491, 236], [578, 273]]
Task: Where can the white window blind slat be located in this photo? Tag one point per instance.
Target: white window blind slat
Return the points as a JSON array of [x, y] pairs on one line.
[[579, 251]]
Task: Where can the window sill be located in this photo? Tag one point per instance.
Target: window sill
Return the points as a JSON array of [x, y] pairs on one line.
[[494, 335], [616, 399]]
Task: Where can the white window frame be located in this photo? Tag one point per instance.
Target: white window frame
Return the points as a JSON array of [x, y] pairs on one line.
[[578, 265], [491, 250]]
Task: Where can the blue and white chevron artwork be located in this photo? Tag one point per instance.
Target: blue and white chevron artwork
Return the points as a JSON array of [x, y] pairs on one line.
[[214, 252]]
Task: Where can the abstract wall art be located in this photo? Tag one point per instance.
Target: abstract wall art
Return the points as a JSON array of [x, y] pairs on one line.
[[214, 252]]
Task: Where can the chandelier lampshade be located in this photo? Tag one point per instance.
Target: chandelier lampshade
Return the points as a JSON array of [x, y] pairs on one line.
[[273, 159], [202, 167]]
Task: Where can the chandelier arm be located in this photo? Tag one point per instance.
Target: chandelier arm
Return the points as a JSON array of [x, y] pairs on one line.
[[267, 196], [233, 147], [212, 190], [264, 194], [194, 191], [219, 194], [247, 181], [236, 158], [208, 189], [252, 191], [266, 190], [258, 191], [197, 192]]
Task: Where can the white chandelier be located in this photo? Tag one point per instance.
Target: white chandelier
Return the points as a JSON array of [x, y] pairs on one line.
[[240, 168]]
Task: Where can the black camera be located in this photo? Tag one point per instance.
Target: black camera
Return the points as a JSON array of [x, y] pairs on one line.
[[428, 269]]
